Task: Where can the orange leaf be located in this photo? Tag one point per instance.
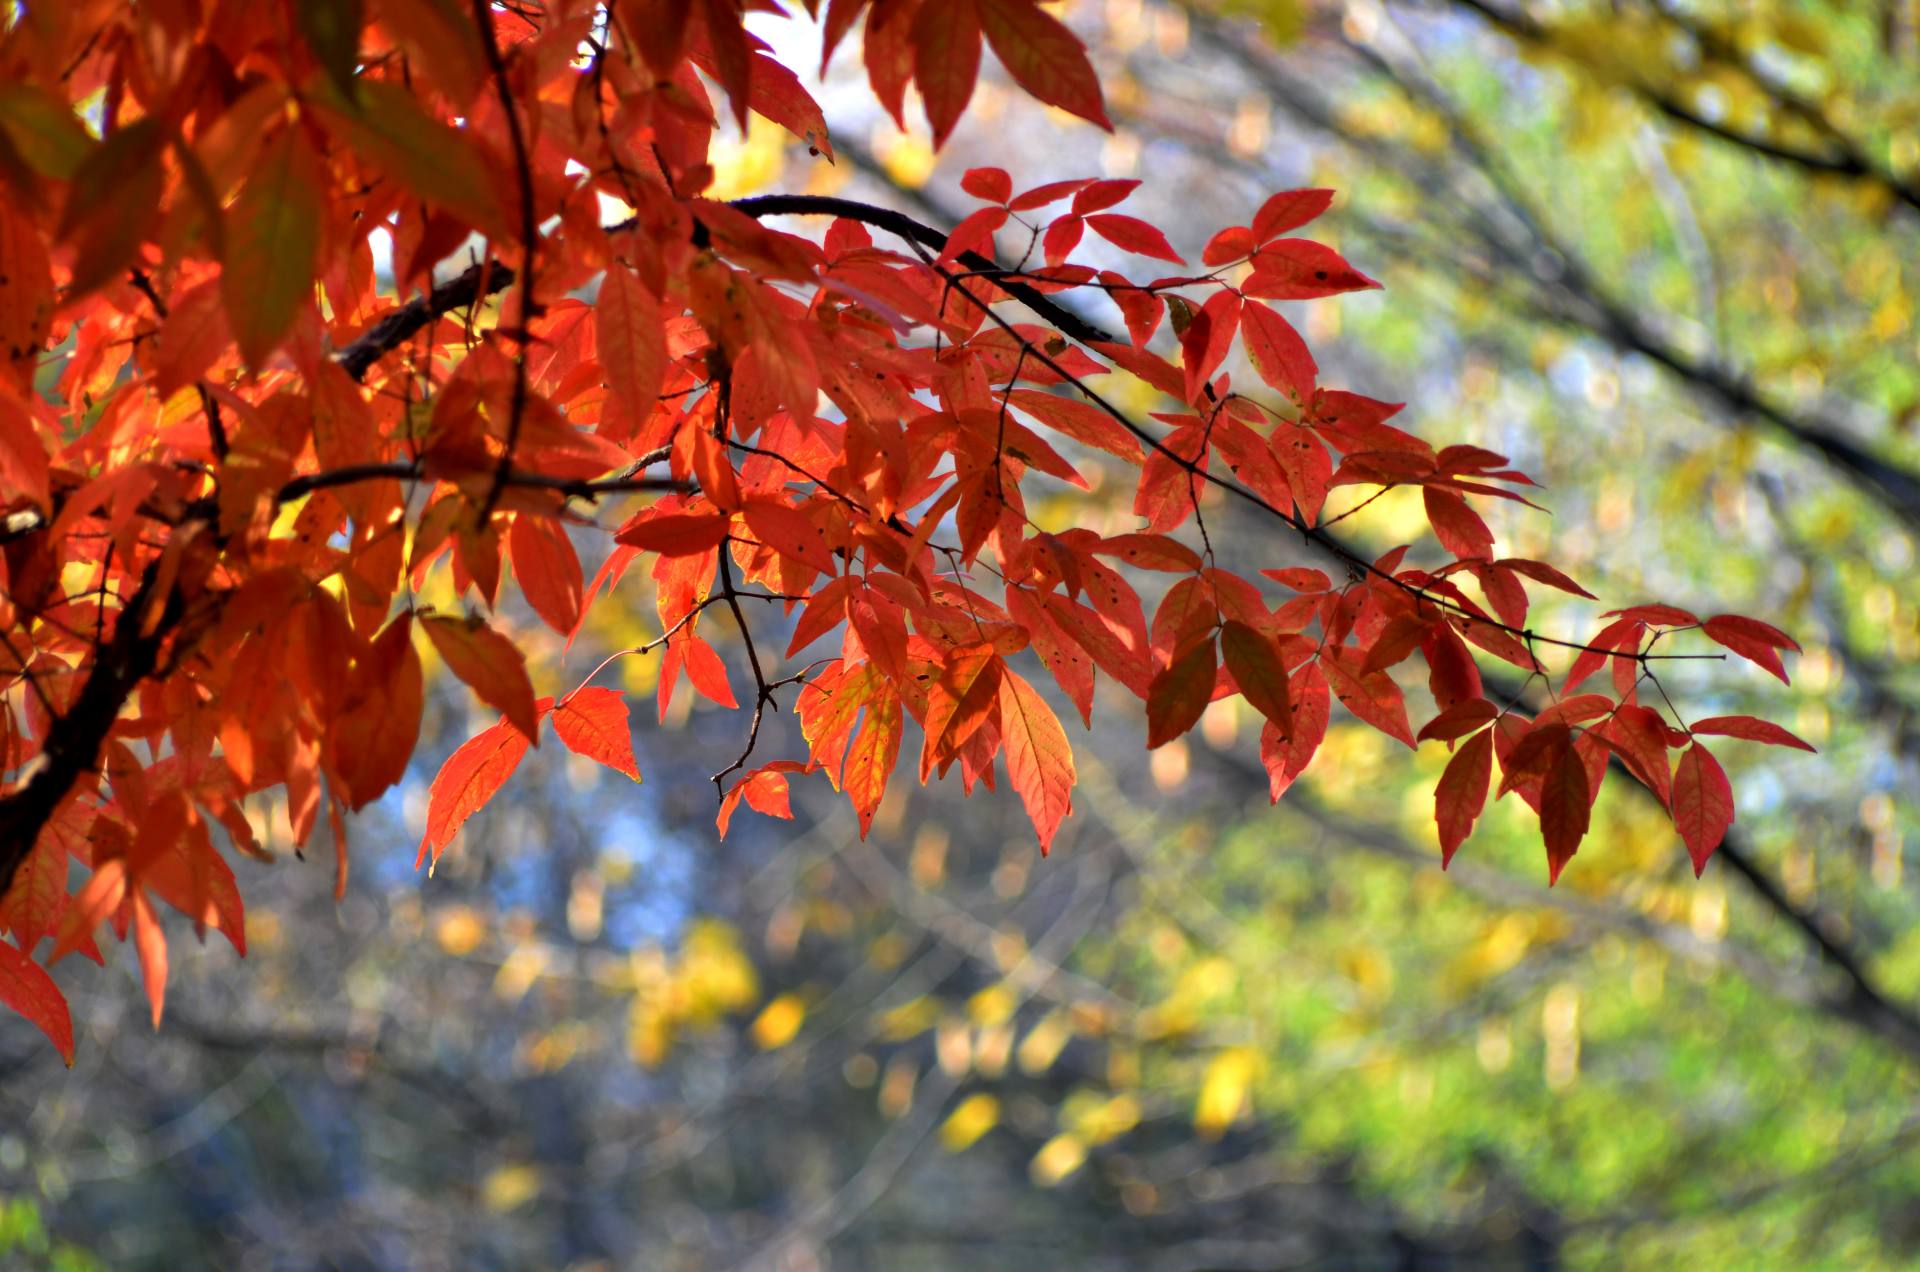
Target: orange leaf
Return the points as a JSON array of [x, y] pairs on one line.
[[873, 755], [706, 671], [467, 781], [593, 722], [151, 944], [765, 790], [548, 569], [491, 665], [676, 534], [1039, 758]]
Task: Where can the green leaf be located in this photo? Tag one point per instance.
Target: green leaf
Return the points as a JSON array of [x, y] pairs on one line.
[[273, 246]]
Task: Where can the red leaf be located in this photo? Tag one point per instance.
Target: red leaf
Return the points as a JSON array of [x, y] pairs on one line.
[[1043, 56], [974, 233], [1753, 730], [1457, 526], [1373, 698], [1300, 269], [676, 534], [1565, 807], [1135, 235], [1062, 237], [1753, 640], [23, 456], [825, 610], [548, 569], [1254, 660], [26, 296], [593, 722], [192, 337], [732, 57], [1289, 210], [1540, 572], [632, 340], [1459, 720], [1039, 760], [1151, 552], [1101, 195], [991, 184], [1656, 615], [491, 665], [790, 532], [26, 987], [1640, 737], [468, 779], [1231, 244], [706, 671], [946, 61], [1585, 706], [1051, 192], [1702, 804], [1462, 793], [1303, 457], [1208, 341], [1279, 354], [1179, 693], [1622, 634], [1082, 421], [1301, 578], [1286, 758]]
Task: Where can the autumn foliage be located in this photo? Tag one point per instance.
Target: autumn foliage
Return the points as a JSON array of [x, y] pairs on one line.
[[231, 450]]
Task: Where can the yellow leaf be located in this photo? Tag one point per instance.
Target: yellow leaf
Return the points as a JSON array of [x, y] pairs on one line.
[[510, 1187], [970, 1119], [779, 1021], [459, 930], [1042, 1045], [1224, 1091], [1057, 1158]]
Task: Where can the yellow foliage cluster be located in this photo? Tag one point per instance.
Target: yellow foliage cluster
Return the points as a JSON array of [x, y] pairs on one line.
[[710, 977]]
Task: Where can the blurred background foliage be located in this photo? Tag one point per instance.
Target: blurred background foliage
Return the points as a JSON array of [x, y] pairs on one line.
[[1661, 252]]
